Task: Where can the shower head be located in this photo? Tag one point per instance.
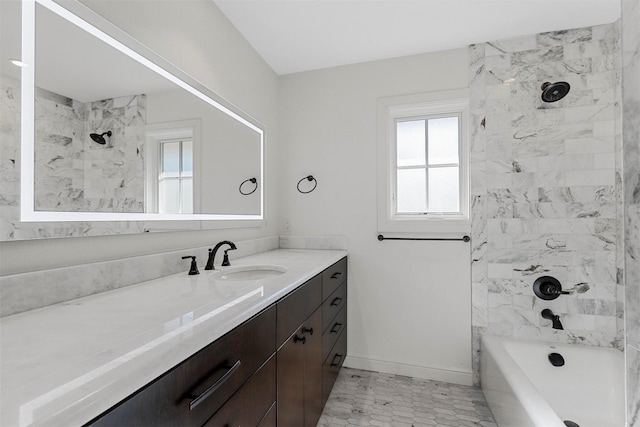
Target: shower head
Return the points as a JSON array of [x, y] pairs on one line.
[[99, 138], [552, 92]]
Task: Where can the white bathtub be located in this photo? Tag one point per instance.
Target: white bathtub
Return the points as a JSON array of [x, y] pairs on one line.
[[523, 388]]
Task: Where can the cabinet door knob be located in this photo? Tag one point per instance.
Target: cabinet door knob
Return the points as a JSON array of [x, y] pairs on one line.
[[336, 301], [336, 360], [300, 339], [336, 328], [307, 330], [336, 275]]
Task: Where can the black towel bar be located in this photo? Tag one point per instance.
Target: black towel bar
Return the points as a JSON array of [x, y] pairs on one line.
[[462, 239]]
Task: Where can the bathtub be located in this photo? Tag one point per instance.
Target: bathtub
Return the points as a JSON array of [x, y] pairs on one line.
[[524, 389]]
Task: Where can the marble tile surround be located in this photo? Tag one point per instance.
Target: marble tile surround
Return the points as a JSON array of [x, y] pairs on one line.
[[28, 291], [630, 29], [546, 187], [69, 156], [313, 242], [9, 150], [72, 172]]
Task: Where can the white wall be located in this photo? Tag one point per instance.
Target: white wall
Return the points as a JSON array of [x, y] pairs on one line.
[[198, 38], [409, 302], [226, 152]]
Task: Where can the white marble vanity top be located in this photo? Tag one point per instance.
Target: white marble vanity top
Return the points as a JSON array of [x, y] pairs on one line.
[[64, 364]]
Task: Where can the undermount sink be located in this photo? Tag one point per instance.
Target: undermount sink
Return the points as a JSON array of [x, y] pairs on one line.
[[250, 272]]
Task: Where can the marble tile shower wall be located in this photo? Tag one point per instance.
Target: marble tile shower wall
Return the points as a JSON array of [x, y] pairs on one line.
[[631, 153], [114, 177], [59, 150], [545, 193], [9, 150], [72, 172]]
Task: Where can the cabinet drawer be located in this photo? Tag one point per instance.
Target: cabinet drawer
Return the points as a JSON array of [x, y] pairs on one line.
[[331, 334], [296, 307], [250, 404], [172, 399], [332, 305], [332, 365], [269, 420], [333, 277]]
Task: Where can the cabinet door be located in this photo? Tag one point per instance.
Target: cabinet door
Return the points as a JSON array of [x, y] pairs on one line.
[[291, 382], [313, 369], [300, 375]]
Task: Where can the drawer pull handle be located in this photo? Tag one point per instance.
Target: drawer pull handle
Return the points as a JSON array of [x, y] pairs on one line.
[[336, 301], [335, 363], [307, 331], [336, 328], [208, 392], [336, 275], [300, 339]]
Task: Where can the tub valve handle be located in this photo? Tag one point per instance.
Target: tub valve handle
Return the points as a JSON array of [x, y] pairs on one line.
[[548, 288]]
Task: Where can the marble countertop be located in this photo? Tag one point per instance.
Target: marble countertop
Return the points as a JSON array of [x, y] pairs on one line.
[[66, 363]]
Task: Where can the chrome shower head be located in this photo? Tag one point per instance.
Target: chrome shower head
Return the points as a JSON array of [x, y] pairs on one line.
[[552, 92], [99, 138]]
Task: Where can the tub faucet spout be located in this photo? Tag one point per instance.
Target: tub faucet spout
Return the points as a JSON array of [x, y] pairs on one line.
[[555, 319]]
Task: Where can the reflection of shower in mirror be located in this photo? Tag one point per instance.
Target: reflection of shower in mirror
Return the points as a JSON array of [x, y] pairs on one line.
[[99, 138]]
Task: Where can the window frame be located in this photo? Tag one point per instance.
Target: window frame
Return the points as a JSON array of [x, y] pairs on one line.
[[181, 174], [155, 133], [427, 105]]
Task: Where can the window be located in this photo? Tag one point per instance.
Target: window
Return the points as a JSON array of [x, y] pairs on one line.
[[171, 179], [175, 178], [422, 150]]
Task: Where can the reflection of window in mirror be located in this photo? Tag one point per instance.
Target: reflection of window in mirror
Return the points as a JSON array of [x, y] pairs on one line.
[[171, 181], [175, 180]]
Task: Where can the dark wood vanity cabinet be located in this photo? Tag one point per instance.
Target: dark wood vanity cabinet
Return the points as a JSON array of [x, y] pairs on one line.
[[276, 369], [315, 347]]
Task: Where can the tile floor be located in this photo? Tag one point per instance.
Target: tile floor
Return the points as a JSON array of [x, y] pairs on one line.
[[363, 398]]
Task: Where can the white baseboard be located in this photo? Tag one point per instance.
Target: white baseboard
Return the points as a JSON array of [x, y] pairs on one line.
[[422, 372]]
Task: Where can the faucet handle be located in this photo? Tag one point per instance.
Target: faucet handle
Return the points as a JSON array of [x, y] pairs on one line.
[[209, 265], [225, 260], [193, 270]]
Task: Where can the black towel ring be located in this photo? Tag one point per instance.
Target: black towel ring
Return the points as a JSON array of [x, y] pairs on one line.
[[253, 181], [308, 178]]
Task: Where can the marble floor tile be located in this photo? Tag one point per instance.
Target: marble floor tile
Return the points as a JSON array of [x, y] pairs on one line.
[[363, 398]]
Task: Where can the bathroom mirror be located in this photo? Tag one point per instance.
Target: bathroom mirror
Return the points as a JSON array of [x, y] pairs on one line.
[[113, 137]]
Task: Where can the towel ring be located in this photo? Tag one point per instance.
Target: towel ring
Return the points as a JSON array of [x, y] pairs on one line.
[[308, 178], [253, 181]]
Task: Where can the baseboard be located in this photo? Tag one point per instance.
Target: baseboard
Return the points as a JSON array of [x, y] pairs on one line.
[[423, 372]]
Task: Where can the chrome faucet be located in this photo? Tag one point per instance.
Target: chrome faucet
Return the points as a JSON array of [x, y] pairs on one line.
[[212, 254], [548, 314]]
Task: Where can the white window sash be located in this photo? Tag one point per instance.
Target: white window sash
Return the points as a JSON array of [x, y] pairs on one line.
[[430, 105]]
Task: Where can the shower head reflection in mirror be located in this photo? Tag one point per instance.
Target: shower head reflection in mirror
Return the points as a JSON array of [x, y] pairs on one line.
[[99, 138], [246, 134]]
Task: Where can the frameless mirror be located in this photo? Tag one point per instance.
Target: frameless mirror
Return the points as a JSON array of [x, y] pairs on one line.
[[109, 131]]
